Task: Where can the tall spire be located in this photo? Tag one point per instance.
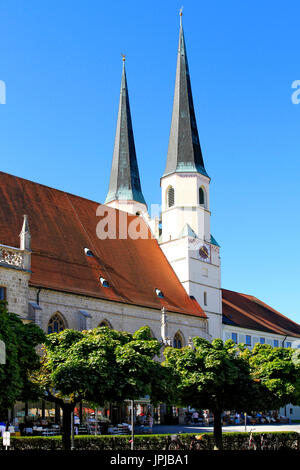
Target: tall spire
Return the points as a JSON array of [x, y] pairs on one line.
[[184, 151], [124, 182]]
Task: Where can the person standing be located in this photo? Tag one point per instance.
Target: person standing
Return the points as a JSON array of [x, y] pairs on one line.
[[206, 417], [2, 428], [195, 417], [150, 422]]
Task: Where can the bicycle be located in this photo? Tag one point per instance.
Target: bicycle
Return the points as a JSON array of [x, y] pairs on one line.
[[251, 443], [174, 443], [195, 443], [263, 443]]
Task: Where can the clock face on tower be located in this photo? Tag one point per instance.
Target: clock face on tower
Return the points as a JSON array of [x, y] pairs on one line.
[[204, 253]]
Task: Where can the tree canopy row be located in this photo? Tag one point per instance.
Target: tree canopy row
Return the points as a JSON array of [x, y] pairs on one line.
[[104, 365]]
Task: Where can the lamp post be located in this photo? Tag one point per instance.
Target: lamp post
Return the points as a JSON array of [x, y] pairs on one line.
[[68, 400], [132, 424], [96, 421], [72, 431]]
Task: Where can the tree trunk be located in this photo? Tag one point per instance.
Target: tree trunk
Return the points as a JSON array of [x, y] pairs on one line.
[[66, 429], [80, 413], [218, 443]]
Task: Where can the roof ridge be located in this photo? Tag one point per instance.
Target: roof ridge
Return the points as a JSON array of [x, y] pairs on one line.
[[250, 315], [21, 178], [67, 193], [264, 304], [267, 306], [233, 291]]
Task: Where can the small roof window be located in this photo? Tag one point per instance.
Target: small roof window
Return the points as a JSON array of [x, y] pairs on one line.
[[159, 293], [88, 252], [104, 282]]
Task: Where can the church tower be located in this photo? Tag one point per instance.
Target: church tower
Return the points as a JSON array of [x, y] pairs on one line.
[[125, 191], [186, 236]]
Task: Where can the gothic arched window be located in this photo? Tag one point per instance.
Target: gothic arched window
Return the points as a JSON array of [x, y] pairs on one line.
[[56, 323], [170, 196], [178, 341], [105, 323]]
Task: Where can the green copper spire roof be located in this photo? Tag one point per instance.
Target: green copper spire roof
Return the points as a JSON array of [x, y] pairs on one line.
[[184, 151], [124, 178]]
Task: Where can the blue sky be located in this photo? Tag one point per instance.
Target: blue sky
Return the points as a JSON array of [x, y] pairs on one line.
[[61, 63]]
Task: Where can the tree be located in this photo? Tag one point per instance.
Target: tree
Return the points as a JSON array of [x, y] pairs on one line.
[[212, 375], [100, 365], [22, 359], [276, 372]]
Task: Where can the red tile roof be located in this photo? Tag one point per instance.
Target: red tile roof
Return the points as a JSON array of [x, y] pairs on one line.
[[62, 225], [247, 311]]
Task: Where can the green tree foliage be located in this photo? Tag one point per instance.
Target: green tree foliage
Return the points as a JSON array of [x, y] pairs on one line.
[[224, 376], [277, 374], [212, 376], [100, 365], [22, 359]]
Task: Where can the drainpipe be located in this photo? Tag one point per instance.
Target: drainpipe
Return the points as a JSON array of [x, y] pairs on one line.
[[37, 319], [284, 340], [38, 296]]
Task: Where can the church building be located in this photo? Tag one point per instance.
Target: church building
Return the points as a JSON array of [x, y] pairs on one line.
[[69, 262]]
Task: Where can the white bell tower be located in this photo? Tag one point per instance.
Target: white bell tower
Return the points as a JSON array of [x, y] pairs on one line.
[[186, 235]]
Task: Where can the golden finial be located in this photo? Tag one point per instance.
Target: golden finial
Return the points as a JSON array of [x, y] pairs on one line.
[[180, 12], [123, 57]]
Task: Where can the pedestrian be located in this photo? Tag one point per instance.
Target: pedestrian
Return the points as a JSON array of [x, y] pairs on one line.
[[206, 417], [142, 418], [2, 428], [11, 428], [150, 421], [195, 417]]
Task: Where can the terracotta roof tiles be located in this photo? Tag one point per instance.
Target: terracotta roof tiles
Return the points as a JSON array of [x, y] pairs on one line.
[[62, 225], [247, 311]]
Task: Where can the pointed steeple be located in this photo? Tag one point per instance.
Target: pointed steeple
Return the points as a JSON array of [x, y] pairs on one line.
[[124, 182], [184, 151]]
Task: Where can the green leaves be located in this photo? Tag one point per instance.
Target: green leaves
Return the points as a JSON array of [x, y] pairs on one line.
[[102, 365], [210, 375], [22, 359], [276, 370], [143, 333]]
